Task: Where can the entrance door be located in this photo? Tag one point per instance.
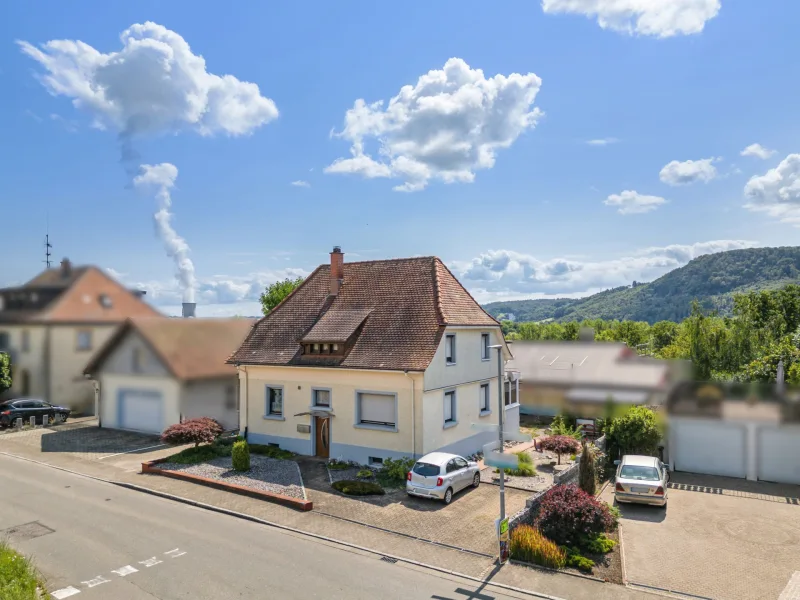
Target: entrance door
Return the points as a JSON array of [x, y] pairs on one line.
[[322, 429]]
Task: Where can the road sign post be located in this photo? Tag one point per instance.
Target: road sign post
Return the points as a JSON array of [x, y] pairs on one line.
[[503, 539]]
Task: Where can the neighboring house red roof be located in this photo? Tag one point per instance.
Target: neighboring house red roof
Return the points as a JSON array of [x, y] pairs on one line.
[[401, 307], [68, 294], [188, 348]]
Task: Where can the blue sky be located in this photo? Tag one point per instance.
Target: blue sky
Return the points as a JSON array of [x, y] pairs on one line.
[[518, 209]]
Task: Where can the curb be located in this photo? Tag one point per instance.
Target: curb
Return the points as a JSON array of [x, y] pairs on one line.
[[304, 505], [247, 517], [560, 572]]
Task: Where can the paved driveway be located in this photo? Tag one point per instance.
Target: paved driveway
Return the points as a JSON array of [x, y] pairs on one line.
[[719, 538], [467, 523], [82, 439]]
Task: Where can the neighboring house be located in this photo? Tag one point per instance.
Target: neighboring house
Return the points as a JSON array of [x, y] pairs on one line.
[[580, 377], [373, 360], [52, 324], [744, 430], [155, 372]]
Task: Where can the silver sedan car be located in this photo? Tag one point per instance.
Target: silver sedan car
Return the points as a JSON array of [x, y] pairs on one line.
[[642, 480], [439, 475]]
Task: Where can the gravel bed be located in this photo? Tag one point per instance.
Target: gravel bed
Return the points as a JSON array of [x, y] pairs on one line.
[[537, 483], [265, 474]]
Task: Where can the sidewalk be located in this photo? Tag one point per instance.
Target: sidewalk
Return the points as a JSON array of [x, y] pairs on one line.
[[124, 471]]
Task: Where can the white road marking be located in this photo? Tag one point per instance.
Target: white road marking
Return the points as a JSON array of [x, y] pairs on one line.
[[792, 589], [174, 553], [126, 570], [129, 451], [150, 562], [96, 581], [65, 593]]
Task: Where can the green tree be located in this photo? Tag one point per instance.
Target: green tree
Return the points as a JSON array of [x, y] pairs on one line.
[[5, 372], [276, 292], [638, 431], [662, 334]]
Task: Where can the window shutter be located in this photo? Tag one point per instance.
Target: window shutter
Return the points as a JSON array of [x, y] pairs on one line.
[[378, 409]]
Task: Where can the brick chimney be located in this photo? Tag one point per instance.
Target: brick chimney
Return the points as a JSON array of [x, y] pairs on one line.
[[66, 268], [337, 270]]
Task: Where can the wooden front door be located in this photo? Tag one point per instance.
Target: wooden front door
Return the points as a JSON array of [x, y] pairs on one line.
[[322, 432]]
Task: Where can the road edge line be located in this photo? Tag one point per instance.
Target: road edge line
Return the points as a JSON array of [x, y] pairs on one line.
[[246, 517]]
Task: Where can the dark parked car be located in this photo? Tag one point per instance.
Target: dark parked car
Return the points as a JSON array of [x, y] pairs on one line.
[[25, 408]]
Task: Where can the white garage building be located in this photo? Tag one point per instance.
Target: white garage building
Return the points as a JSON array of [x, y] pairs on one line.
[[754, 436], [155, 372]]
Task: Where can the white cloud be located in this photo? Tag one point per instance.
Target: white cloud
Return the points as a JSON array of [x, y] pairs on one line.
[[301, 183], [689, 171], [447, 126], [659, 18], [758, 151], [631, 202], [70, 126], [504, 273], [777, 192], [602, 141], [154, 84]]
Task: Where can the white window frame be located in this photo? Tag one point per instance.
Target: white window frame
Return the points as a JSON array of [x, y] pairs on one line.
[[486, 409], [486, 352], [270, 415], [450, 360], [78, 337], [453, 408], [314, 404], [357, 411]]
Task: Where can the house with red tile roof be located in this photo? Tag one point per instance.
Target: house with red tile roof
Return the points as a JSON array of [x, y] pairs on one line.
[[51, 325], [158, 371], [373, 360]]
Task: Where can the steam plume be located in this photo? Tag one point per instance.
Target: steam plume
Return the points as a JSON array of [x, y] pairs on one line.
[[162, 177]]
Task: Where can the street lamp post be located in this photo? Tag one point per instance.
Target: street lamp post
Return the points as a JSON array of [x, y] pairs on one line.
[[500, 416]]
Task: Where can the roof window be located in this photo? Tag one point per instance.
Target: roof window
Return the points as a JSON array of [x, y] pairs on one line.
[[105, 301]]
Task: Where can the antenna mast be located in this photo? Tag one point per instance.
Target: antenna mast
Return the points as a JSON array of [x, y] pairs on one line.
[[47, 253]]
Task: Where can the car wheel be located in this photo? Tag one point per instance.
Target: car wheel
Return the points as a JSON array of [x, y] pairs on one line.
[[448, 496], [476, 481], [61, 418]]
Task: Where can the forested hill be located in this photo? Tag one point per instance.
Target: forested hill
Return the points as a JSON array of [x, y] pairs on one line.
[[711, 279]]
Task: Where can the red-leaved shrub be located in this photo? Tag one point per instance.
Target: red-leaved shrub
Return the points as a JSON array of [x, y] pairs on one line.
[[569, 516], [560, 444], [192, 431]]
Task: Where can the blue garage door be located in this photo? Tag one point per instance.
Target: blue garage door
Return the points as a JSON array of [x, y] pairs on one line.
[[141, 410]]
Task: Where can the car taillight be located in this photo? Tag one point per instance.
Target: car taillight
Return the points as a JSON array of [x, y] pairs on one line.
[[660, 491], [409, 476], [619, 488], [5, 412], [439, 481]]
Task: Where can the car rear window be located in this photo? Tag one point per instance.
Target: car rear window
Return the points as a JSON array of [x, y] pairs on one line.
[[641, 473], [426, 469]]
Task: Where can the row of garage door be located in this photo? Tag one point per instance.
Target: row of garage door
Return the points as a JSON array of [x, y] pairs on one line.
[[724, 448]]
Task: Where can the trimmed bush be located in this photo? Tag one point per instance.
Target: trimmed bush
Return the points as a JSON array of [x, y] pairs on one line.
[[638, 431], [583, 564], [240, 456], [365, 474], [529, 545], [570, 516], [358, 488], [338, 465], [271, 451], [600, 544], [199, 454], [203, 430], [560, 444], [587, 476], [396, 469]]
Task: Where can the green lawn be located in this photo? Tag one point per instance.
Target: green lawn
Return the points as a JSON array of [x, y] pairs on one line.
[[18, 577]]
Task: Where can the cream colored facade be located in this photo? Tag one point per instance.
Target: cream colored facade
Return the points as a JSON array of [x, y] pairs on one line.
[[112, 385], [419, 396], [49, 357]]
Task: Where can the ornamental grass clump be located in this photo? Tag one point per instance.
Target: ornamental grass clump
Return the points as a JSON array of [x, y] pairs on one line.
[[569, 516], [529, 545]]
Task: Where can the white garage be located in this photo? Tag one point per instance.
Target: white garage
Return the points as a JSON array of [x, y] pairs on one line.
[[141, 410], [779, 454], [708, 446]]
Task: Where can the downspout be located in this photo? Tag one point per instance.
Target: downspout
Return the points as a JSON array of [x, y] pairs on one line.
[[246, 403], [413, 417]]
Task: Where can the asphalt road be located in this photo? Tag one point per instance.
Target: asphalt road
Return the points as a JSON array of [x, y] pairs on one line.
[[94, 540]]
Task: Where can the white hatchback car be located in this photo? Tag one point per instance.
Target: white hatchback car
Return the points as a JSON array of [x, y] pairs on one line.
[[641, 479], [439, 475]]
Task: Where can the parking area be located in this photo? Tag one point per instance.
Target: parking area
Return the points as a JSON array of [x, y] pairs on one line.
[[467, 523], [719, 538], [82, 439]]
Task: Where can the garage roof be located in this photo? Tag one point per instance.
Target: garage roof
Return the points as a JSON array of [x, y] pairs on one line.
[[189, 348]]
